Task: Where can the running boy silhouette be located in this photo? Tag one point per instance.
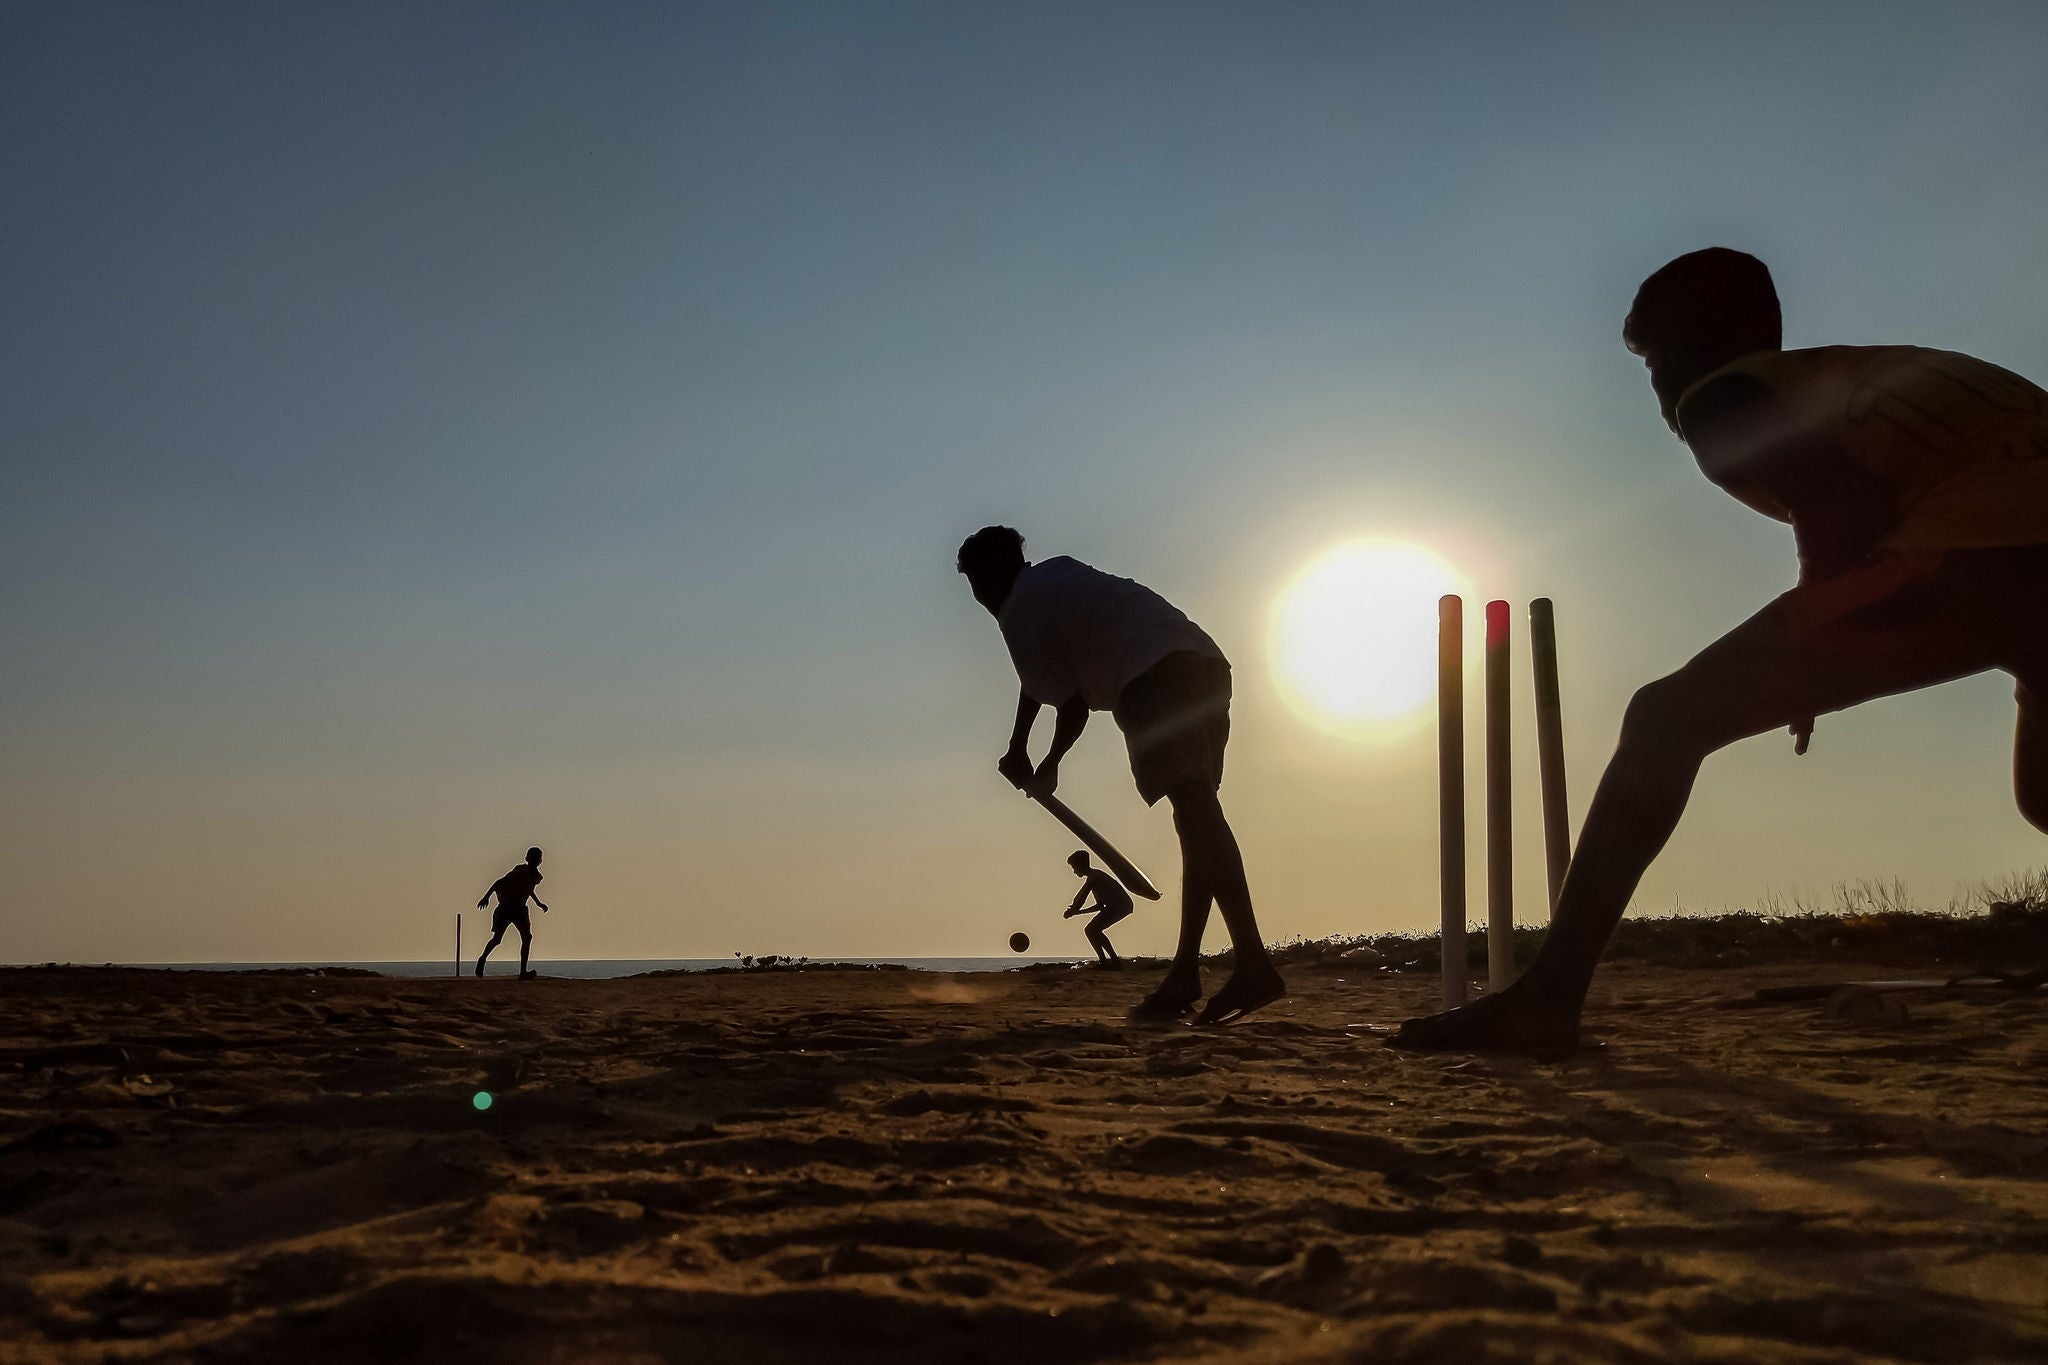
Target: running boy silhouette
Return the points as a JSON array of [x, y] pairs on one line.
[[1083, 640], [1112, 905], [512, 890], [1916, 485]]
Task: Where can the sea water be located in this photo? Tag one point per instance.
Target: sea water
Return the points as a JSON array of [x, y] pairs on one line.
[[594, 969]]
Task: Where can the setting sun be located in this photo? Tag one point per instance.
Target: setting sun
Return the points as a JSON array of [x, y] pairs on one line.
[[1354, 635]]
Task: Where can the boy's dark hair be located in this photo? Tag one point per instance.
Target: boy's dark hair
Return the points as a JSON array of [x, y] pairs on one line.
[[992, 548], [1717, 296], [532, 855], [1079, 858]]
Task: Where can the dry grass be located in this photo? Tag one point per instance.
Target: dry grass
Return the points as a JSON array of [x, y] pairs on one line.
[[2001, 924]]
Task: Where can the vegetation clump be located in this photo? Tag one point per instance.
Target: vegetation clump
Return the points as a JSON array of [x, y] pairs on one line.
[[749, 964], [2001, 924]]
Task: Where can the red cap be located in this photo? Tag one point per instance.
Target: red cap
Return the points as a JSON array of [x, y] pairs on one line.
[[1496, 622]]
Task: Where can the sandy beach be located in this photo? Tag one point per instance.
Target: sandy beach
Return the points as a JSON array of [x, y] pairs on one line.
[[891, 1166]]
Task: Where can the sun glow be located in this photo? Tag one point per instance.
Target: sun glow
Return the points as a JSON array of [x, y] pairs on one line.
[[1353, 639]]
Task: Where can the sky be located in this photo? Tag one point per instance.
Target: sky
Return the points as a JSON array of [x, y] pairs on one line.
[[431, 430]]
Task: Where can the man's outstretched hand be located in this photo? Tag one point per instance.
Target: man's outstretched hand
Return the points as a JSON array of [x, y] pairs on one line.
[[485, 901]]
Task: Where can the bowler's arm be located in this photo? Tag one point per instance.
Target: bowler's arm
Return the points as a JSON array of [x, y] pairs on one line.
[[1747, 443]]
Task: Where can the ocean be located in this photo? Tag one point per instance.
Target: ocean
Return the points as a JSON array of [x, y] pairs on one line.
[[600, 968]]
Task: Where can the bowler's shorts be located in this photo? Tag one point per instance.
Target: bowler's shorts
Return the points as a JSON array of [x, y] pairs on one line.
[[1103, 918], [506, 916], [1176, 719]]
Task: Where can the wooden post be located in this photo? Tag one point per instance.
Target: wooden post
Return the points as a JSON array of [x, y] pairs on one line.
[[1557, 829], [458, 943], [1500, 842], [1450, 767]]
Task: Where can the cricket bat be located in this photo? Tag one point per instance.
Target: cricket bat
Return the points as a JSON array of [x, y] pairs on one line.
[[1122, 868]]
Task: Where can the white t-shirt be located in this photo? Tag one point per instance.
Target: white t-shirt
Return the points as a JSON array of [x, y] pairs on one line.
[[1077, 631]]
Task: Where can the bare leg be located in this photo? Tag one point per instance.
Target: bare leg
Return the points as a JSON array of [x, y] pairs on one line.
[[1211, 872], [525, 947], [1182, 986], [1098, 934], [1213, 863], [1757, 678], [495, 936]]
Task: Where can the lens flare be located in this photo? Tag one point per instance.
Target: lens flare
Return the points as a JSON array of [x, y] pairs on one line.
[[1353, 640]]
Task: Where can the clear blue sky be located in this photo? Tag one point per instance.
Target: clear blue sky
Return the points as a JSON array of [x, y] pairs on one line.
[[426, 430]]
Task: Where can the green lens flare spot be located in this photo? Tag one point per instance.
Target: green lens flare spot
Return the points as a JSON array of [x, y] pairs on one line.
[[482, 1100]]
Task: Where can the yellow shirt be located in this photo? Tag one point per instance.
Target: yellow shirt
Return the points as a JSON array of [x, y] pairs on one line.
[[1961, 444]]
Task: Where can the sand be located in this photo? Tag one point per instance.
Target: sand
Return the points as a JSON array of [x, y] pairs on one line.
[[906, 1167]]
